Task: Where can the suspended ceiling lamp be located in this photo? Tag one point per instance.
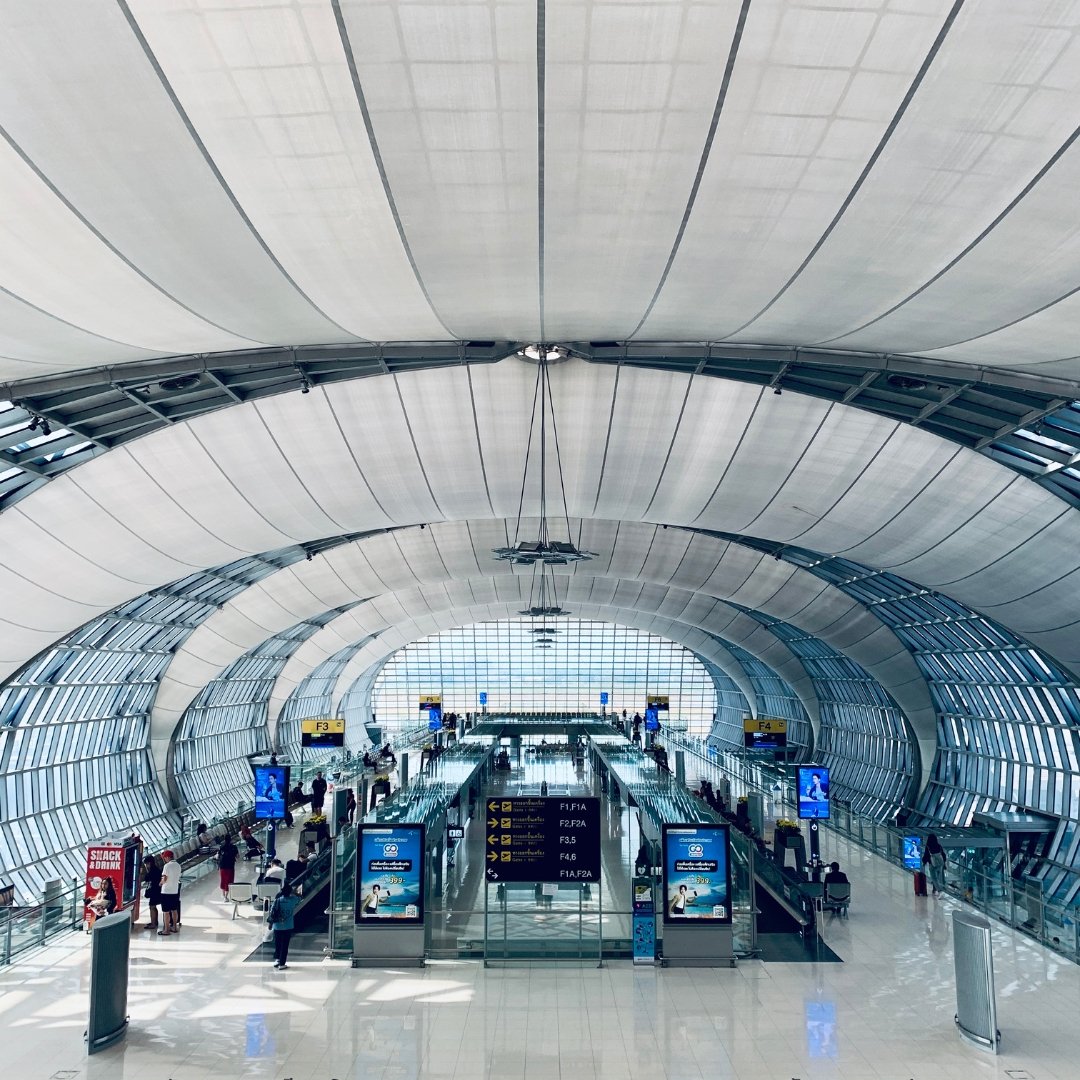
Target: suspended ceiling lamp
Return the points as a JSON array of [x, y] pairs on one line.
[[543, 550], [543, 600]]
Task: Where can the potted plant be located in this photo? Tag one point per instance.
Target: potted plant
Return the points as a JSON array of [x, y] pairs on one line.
[[787, 834]]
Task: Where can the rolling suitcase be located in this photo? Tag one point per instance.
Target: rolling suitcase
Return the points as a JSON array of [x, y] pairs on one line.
[[920, 883]]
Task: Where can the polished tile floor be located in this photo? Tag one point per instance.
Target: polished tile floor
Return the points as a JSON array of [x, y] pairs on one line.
[[886, 1013]]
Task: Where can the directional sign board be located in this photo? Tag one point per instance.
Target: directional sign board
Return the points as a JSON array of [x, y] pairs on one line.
[[546, 839], [322, 733]]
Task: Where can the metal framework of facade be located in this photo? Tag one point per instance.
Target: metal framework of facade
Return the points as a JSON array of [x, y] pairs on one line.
[[263, 279]]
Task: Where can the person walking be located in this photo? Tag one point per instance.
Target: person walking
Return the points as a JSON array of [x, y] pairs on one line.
[[280, 920], [152, 881], [226, 861], [934, 860], [170, 895], [318, 793]]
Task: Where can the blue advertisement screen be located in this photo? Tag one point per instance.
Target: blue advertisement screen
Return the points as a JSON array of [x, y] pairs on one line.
[[390, 874], [652, 719], [434, 718], [813, 788], [912, 852], [271, 791], [697, 874]]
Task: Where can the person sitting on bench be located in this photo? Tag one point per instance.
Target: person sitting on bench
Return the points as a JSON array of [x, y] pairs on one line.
[[836, 876]]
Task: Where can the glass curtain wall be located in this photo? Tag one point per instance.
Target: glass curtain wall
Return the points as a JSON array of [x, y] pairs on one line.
[[75, 761], [775, 698], [521, 671], [227, 723], [314, 698], [731, 708], [864, 737]]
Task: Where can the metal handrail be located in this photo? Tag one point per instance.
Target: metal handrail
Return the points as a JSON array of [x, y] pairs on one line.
[[30, 927], [1055, 925]]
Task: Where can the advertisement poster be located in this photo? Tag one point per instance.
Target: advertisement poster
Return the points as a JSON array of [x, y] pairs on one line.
[[697, 877], [271, 791], [390, 874], [112, 879], [912, 852], [813, 788]]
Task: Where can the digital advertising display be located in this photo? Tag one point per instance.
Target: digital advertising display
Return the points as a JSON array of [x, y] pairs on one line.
[[390, 875], [271, 791], [652, 719], [912, 852], [812, 783], [697, 874], [112, 877], [434, 718]]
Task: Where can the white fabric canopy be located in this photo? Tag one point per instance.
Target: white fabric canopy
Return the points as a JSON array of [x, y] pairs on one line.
[[184, 176]]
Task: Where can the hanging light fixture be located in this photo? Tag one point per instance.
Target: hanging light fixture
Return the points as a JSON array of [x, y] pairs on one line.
[[543, 549], [543, 553]]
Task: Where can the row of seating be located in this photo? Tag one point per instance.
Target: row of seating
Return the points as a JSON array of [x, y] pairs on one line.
[[244, 892], [190, 852], [834, 896]]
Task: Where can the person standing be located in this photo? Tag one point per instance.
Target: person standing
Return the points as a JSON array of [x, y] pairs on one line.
[[226, 861], [934, 859], [350, 806], [280, 920], [170, 895], [318, 793], [152, 881]]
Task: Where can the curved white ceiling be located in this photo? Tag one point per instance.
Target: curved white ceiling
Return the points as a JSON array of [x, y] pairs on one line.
[[178, 176], [673, 572], [449, 445]]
